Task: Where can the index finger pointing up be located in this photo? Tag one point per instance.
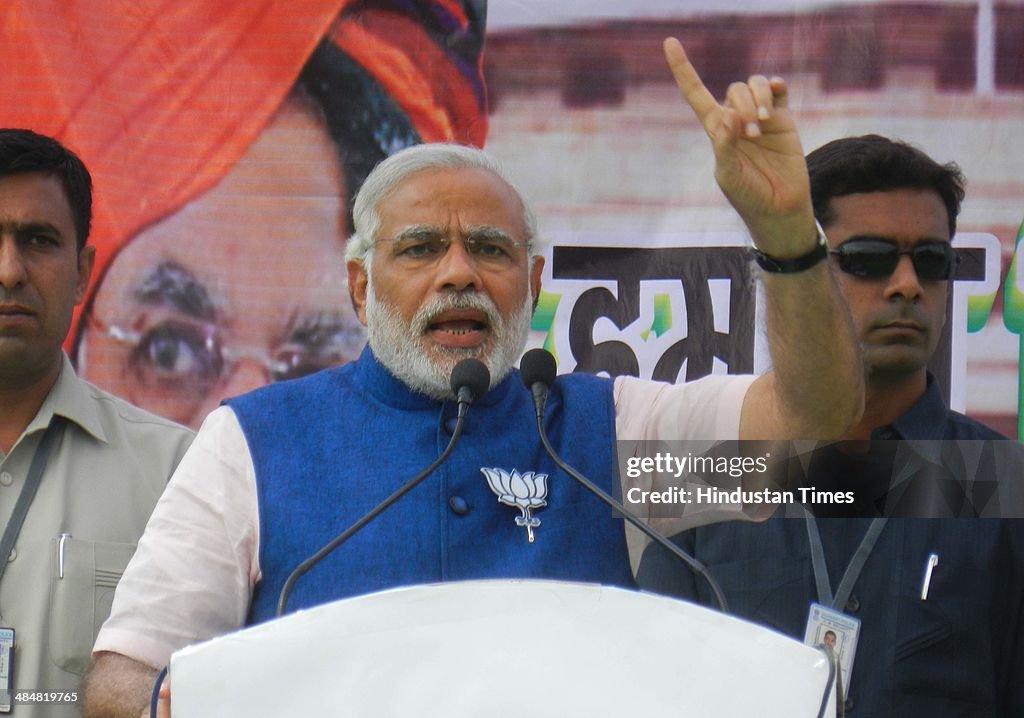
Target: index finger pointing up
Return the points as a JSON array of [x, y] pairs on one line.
[[700, 100]]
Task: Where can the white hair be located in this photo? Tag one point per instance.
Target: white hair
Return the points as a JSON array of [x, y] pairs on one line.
[[386, 176]]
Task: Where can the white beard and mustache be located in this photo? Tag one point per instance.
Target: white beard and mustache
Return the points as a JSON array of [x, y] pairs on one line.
[[426, 367]]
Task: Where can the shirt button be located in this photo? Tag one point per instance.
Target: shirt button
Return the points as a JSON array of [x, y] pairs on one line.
[[449, 425], [12, 555], [849, 705], [458, 505], [5, 478], [853, 605]]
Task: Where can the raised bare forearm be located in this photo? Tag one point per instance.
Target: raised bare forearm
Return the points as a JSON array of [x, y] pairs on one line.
[[815, 389], [816, 382], [118, 687]]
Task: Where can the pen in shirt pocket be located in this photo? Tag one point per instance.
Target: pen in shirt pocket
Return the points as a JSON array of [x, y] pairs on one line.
[[60, 554], [929, 568]]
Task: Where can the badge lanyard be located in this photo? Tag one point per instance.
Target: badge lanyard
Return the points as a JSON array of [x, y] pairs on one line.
[[28, 491], [852, 572], [25, 497]]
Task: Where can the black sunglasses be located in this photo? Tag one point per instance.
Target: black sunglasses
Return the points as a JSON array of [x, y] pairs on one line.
[[877, 258]]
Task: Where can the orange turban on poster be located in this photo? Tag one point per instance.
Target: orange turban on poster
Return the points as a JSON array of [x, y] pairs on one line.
[[161, 99]]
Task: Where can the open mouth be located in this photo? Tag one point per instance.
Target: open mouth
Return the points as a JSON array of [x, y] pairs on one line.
[[459, 328]]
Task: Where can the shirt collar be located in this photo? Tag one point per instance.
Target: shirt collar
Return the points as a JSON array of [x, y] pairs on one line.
[[922, 427], [926, 419], [71, 398]]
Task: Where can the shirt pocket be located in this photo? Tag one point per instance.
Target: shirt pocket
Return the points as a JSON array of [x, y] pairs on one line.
[[81, 592], [943, 645]]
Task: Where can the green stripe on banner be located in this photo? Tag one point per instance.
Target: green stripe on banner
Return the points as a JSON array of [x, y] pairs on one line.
[[1013, 318]]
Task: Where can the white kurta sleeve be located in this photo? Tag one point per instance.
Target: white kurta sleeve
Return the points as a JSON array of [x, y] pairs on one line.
[[708, 408], [193, 573], [648, 411]]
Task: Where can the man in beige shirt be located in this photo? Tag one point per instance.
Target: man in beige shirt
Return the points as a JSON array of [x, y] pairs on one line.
[[80, 470]]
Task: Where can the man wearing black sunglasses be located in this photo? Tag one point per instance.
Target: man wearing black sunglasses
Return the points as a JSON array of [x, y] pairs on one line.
[[890, 212], [936, 602]]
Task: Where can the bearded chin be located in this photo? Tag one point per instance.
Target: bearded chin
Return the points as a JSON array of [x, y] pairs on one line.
[[404, 349]]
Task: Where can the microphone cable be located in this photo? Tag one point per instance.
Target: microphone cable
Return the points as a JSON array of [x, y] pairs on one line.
[[538, 371]]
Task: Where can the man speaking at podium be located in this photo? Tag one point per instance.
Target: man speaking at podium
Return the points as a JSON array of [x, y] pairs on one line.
[[446, 264]]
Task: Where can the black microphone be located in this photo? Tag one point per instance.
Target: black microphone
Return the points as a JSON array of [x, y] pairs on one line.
[[470, 380], [537, 368]]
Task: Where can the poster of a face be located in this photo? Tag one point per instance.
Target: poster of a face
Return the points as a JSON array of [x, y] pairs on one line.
[[244, 284], [226, 140]]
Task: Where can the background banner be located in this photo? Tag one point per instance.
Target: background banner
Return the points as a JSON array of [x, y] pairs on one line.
[[226, 139]]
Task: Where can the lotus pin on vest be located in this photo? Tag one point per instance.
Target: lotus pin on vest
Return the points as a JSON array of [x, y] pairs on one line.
[[526, 492]]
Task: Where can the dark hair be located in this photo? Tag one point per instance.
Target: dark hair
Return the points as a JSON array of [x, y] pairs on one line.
[[872, 163], [26, 151], [365, 122]]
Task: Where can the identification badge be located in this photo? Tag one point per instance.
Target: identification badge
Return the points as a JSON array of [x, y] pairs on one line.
[[6, 667], [836, 630]]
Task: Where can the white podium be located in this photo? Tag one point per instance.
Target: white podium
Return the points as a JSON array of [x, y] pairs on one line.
[[510, 648]]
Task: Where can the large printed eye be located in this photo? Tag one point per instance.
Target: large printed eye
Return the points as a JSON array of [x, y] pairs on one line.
[[317, 341], [296, 363], [180, 353]]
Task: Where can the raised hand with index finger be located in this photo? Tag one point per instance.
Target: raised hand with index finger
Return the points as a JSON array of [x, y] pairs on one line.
[[815, 386], [759, 163]]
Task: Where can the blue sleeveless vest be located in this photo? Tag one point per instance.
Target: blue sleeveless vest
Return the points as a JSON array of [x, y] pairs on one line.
[[329, 447]]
